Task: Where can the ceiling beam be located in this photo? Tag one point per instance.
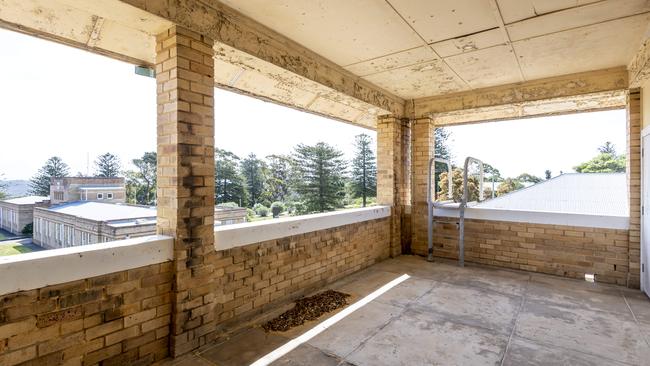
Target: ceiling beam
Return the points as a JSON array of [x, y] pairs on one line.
[[567, 87], [602, 101], [235, 30]]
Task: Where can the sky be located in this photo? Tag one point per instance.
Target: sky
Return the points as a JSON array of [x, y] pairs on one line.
[[58, 100], [533, 145]]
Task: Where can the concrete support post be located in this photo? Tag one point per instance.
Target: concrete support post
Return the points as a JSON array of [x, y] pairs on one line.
[[185, 87], [392, 175], [634, 186], [422, 146]]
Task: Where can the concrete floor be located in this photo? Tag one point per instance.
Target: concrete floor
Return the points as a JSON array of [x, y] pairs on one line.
[[446, 315]]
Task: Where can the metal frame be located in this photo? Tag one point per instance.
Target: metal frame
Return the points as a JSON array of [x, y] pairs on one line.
[[450, 194], [463, 205]]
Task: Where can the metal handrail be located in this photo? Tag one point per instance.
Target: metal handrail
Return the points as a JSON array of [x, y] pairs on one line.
[[450, 194], [463, 205]]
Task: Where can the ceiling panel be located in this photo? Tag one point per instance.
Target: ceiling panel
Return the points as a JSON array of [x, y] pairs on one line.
[[588, 48], [400, 59], [345, 32], [416, 81], [515, 10], [440, 20], [470, 43], [488, 67], [576, 17]]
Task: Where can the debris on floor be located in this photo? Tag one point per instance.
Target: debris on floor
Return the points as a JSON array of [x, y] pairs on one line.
[[307, 308]]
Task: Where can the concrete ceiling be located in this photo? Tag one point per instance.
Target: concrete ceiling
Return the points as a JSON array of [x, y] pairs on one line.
[[426, 48]]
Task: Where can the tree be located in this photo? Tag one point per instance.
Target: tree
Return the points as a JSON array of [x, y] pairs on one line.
[[54, 168], [141, 184], [547, 174], [441, 150], [607, 161], [364, 169], [525, 177], [607, 148], [457, 181], [228, 184], [508, 185], [491, 173], [321, 173], [441, 145], [278, 177], [3, 187], [603, 163], [253, 170], [107, 166]]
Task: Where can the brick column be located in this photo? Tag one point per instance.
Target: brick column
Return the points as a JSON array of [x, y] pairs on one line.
[[185, 86], [634, 186], [422, 149], [392, 175]]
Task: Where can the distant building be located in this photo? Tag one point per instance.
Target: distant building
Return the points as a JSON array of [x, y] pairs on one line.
[[17, 213], [88, 210], [70, 189], [86, 222], [229, 215]]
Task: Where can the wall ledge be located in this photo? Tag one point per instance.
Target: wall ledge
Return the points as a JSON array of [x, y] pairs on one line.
[[51, 267], [538, 217], [237, 235]]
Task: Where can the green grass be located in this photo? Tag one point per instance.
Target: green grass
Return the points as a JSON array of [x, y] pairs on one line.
[[16, 248], [2, 237]]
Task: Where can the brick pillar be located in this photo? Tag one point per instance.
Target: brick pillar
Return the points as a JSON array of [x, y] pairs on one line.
[[422, 149], [392, 175], [634, 186], [185, 87]]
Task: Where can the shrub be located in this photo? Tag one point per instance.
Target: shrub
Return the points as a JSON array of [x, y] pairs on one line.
[[261, 210], [277, 208], [28, 229], [228, 205], [250, 214]]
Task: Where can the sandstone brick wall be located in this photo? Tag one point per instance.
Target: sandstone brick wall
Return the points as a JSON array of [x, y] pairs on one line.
[[393, 174], [559, 250], [254, 278], [634, 184], [116, 319], [422, 150], [185, 95]]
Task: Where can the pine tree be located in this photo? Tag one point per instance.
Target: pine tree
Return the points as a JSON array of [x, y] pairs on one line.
[[321, 176], [547, 174], [107, 166], [364, 169], [228, 184], [253, 170], [607, 148], [442, 150], [278, 177], [54, 168]]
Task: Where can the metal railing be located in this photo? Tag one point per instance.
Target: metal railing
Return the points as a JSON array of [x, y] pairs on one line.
[[431, 198]]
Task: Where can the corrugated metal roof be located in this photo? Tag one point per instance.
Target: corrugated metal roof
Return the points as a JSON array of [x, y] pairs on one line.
[[29, 200], [100, 211], [583, 193]]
